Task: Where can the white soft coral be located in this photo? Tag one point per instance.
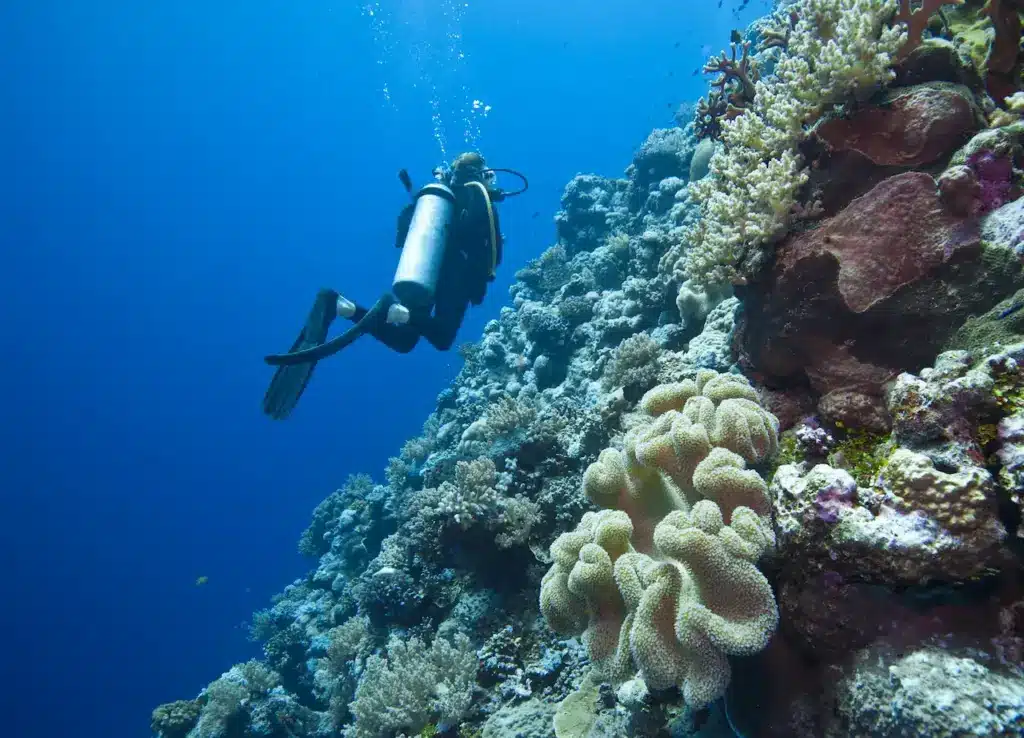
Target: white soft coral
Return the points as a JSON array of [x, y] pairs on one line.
[[837, 49]]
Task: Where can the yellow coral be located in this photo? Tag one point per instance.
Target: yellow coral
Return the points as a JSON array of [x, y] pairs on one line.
[[654, 474], [579, 592], [661, 583], [957, 501], [726, 606], [674, 616]]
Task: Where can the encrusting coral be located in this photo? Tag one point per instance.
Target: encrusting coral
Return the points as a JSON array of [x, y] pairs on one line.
[[665, 582], [953, 499]]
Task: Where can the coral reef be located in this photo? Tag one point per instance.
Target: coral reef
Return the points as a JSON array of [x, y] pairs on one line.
[[926, 504], [412, 687], [982, 703], [891, 276], [751, 431], [835, 49], [908, 127]]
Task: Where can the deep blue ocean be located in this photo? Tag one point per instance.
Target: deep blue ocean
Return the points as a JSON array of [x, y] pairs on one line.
[[178, 179]]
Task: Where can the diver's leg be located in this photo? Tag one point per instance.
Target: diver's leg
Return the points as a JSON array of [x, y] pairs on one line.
[[289, 382], [400, 338], [442, 327]]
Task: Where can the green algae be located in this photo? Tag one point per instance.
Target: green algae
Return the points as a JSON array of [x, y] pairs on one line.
[[862, 453]]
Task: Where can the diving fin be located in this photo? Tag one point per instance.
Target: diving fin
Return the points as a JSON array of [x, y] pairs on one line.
[[290, 380]]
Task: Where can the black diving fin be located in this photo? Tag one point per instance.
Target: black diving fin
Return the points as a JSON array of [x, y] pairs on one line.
[[290, 380], [295, 368]]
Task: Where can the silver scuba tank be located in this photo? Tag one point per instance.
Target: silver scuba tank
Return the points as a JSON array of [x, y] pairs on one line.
[[423, 250]]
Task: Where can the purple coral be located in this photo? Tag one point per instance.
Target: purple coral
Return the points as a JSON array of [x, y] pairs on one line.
[[812, 439], [995, 175], [831, 500]]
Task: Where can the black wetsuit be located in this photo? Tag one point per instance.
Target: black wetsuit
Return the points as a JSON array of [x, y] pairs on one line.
[[462, 281]]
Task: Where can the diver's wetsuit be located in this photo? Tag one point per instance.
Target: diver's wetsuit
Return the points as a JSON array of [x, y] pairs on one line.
[[463, 279], [467, 267]]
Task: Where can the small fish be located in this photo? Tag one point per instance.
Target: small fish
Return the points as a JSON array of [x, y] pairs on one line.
[[675, 45], [719, 3], [406, 180], [565, 45], [695, 72], [735, 37], [200, 581], [536, 214], [671, 74], [705, 50]]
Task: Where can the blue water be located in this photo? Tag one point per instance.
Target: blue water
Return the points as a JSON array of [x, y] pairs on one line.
[[176, 181]]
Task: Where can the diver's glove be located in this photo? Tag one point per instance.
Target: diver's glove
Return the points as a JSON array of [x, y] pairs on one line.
[[290, 380]]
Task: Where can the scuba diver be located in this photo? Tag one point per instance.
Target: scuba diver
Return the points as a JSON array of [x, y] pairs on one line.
[[451, 244]]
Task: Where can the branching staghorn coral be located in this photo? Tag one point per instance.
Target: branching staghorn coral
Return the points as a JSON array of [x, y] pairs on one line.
[[836, 48], [733, 90], [665, 582]]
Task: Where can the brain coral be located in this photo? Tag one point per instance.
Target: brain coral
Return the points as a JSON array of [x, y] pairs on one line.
[[665, 582]]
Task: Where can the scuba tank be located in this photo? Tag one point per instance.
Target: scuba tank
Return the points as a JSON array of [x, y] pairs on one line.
[[423, 251]]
